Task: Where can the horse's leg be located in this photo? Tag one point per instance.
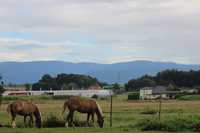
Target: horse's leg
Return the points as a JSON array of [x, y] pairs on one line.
[[72, 117], [93, 120], [13, 121], [88, 118], [67, 120], [92, 117], [25, 120], [31, 120]]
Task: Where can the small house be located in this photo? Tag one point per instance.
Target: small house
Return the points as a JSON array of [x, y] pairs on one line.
[[150, 93]]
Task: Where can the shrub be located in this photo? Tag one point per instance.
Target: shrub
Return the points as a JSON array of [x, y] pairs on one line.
[[133, 96], [195, 126], [150, 124], [53, 121], [95, 96], [189, 97], [149, 111], [176, 124], [171, 124], [63, 97], [179, 95]]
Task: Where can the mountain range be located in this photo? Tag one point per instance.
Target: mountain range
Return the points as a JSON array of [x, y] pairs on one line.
[[30, 72]]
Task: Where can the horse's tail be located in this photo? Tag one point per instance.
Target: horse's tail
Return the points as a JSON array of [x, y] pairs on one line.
[[9, 109], [64, 107]]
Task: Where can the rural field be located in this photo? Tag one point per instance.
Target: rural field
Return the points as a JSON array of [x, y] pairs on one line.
[[126, 114]]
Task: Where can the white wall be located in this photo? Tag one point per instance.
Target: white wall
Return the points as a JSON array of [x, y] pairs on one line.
[[86, 93]]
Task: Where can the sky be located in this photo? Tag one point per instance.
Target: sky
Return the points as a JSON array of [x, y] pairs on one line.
[[100, 31]]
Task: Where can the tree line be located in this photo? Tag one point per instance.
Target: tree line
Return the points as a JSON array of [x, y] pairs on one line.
[[64, 81], [173, 77], [176, 78]]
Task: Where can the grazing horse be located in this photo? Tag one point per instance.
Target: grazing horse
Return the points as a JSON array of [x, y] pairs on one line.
[[83, 105], [25, 109]]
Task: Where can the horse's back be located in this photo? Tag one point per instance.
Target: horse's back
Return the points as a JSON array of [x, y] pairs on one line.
[[82, 104], [22, 107]]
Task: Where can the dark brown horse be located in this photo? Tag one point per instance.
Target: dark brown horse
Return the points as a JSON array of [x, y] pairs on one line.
[[24, 108], [83, 105]]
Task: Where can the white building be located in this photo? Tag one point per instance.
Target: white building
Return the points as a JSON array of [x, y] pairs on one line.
[[85, 93], [149, 93]]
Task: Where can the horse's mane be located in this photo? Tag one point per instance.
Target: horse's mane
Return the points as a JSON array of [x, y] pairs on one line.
[[64, 107], [38, 117], [37, 112], [99, 109]]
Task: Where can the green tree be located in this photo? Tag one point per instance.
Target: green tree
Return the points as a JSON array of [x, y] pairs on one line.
[[28, 86], [116, 86], [63, 81], [136, 84]]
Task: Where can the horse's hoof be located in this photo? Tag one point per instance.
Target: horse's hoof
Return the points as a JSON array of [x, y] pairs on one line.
[[66, 125], [13, 125]]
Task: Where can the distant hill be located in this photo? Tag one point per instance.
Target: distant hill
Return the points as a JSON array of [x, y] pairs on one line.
[[29, 72]]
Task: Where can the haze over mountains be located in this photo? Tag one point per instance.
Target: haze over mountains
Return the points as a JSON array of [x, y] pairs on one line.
[[29, 72]]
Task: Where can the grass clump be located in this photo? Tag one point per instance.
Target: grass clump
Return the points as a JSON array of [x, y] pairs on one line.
[[173, 124], [189, 97], [52, 121], [149, 125], [78, 123], [149, 111]]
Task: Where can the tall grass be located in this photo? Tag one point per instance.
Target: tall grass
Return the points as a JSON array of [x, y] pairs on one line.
[[189, 97], [174, 123], [149, 111]]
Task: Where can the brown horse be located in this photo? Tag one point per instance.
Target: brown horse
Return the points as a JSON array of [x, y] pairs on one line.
[[25, 109], [83, 105]]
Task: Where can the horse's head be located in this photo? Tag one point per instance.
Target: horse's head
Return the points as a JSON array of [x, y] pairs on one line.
[[100, 122]]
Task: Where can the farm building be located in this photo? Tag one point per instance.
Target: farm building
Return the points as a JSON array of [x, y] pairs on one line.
[[149, 93]]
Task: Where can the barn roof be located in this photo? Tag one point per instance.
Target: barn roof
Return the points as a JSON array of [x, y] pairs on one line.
[[159, 89]]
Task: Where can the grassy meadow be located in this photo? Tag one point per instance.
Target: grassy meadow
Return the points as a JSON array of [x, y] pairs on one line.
[[126, 114]]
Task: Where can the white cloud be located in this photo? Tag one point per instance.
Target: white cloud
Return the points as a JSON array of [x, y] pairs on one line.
[[101, 30]]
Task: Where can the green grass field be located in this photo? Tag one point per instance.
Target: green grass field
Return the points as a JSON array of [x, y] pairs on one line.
[[125, 115]]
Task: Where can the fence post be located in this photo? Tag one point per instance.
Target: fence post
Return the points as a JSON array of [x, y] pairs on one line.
[[160, 107], [111, 103]]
